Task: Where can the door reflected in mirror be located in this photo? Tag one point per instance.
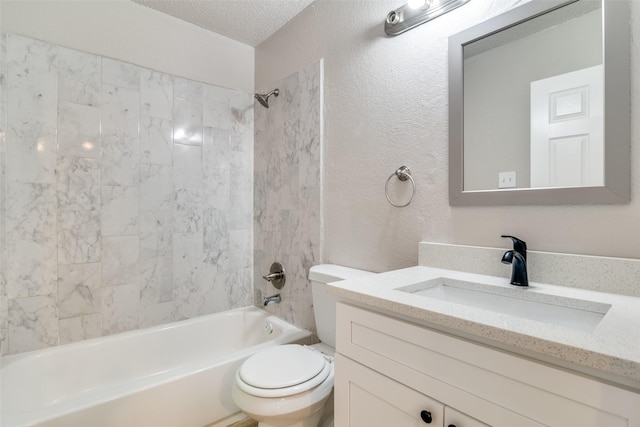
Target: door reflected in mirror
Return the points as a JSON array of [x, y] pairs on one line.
[[533, 103]]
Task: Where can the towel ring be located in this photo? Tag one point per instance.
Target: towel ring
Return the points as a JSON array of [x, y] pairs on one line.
[[403, 173]]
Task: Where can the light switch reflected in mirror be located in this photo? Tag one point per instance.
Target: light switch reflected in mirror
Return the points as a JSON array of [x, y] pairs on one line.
[[539, 106]]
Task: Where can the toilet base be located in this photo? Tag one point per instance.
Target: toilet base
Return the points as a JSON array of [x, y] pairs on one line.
[[322, 416], [327, 414]]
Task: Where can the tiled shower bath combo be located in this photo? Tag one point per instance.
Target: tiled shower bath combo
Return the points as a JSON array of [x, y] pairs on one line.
[[287, 180], [126, 196]]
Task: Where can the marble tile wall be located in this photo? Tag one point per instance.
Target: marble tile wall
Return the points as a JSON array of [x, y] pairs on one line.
[[126, 196], [287, 221], [4, 304]]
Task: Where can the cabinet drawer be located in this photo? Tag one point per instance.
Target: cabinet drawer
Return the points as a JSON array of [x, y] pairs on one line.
[[453, 418], [496, 387]]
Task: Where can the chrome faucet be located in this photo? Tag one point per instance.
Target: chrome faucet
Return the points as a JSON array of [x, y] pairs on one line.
[[273, 276], [271, 300], [517, 257]]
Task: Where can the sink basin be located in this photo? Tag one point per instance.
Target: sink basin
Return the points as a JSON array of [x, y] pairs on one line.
[[569, 312]]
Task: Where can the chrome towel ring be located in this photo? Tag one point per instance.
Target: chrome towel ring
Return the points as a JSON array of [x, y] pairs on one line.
[[403, 173]]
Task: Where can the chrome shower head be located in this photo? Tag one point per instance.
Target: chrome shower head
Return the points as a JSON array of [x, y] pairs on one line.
[[263, 99]]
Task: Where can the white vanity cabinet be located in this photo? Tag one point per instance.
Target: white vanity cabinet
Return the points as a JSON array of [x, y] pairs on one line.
[[388, 371], [453, 418], [376, 400]]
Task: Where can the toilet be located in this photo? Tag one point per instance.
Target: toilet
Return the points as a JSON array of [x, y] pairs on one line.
[[291, 385]]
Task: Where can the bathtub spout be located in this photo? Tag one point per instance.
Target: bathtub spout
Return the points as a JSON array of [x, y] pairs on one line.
[[270, 300]]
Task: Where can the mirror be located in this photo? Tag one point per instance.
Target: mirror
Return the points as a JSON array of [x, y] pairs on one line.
[[539, 106]]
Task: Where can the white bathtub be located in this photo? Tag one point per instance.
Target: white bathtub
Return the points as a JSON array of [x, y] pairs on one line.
[[175, 375]]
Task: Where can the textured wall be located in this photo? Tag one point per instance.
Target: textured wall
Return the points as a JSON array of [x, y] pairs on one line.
[[128, 196], [287, 192], [385, 105], [4, 303], [124, 30]]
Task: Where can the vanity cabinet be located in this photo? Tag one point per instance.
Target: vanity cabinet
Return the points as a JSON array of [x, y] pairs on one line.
[[388, 371], [453, 418], [376, 400]]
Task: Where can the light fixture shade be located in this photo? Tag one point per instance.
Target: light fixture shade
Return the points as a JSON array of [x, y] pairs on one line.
[[416, 4], [406, 17]]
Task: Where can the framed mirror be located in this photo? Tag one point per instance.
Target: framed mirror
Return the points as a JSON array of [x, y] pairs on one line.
[[539, 106]]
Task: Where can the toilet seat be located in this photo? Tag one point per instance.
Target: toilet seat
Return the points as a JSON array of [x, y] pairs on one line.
[[283, 371]]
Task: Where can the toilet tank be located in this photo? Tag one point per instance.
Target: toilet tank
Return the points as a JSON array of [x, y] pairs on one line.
[[324, 303]]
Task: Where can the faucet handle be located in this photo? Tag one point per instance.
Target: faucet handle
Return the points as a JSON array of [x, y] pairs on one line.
[[276, 275], [273, 276], [518, 245]]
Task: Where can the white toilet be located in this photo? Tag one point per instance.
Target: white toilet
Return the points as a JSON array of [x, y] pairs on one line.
[[290, 385]]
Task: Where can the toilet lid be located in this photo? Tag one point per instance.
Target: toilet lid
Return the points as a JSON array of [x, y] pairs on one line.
[[281, 366]]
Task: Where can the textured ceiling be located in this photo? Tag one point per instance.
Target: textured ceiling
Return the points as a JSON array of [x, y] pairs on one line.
[[247, 21]]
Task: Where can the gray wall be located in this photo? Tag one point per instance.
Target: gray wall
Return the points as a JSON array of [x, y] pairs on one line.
[[385, 105]]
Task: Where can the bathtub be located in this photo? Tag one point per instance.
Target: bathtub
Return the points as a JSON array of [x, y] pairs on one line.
[[175, 375]]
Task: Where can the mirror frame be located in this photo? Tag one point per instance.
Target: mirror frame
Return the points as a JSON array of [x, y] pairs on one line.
[[617, 116]]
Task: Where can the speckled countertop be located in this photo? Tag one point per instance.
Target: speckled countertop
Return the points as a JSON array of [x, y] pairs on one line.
[[610, 351]]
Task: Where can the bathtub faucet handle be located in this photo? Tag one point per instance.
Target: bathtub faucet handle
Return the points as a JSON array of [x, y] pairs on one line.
[[273, 276], [276, 275]]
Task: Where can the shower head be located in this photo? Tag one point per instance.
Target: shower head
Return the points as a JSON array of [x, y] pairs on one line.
[[263, 99]]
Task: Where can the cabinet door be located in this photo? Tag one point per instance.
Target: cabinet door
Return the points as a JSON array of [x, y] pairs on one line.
[[453, 418], [365, 398]]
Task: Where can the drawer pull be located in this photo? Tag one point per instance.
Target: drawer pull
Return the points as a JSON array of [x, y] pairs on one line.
[[451, 425], [426, 416]]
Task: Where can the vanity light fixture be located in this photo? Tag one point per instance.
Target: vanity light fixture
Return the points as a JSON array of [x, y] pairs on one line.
[[417, 12]]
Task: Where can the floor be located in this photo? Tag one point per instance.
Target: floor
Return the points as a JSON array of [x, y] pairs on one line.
[[247, 422]]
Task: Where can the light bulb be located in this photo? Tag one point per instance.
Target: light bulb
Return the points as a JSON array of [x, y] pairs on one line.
[[179, 134]]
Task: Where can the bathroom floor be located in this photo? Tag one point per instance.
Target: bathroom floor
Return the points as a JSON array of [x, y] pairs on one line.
[[247, 422]]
